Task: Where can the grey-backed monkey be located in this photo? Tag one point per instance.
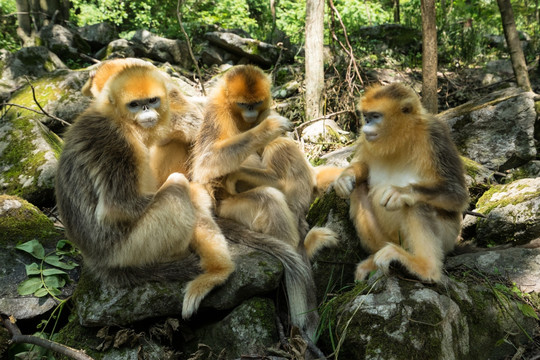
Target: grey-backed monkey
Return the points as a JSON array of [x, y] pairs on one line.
[[129, 227], [170, 154], [259, 177], [406, 185]]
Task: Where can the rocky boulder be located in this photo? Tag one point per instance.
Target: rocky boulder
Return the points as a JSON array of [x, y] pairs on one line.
[[496, 131]]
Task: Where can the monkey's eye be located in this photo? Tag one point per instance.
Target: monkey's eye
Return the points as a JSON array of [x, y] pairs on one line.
[[134, 104], [153, 100], [249, 106], [372, 116]]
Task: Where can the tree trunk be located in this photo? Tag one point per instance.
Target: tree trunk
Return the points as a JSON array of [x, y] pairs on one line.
[[23, 17], [514, 46], [429, 56], [397, 16], [314, 58], [32, 15]]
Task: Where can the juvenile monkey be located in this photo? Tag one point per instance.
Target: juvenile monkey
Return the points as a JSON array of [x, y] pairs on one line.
[[406, 185], [170, 154], [259, 177], [130, 229]]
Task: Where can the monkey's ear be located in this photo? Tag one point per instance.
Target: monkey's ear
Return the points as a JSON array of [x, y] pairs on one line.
[[407, 107]]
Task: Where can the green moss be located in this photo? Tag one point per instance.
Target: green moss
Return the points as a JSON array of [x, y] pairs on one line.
[[472, 168], [23, 155], [79, 337], [322, 207], [24, 222], [485, 205]]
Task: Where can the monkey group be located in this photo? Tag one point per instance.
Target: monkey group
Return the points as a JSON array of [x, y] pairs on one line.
[[152, 185]]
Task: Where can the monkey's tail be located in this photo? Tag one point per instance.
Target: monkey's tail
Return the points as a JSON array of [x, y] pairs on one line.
[[182, 270], [299, 282], [318, 238]]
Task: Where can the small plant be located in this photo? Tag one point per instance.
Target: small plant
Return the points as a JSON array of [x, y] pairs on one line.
[[42, 279]]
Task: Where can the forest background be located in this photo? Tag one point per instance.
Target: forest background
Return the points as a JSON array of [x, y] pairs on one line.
[[465, 28]]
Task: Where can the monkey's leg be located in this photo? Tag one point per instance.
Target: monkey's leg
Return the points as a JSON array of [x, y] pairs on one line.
[[365, 219], [216, 263], [424, 255], [168, 222], [265, 210], [211, 245]]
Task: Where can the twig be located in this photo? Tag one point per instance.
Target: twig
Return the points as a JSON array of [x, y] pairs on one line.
[[39, 106], [324, 117], [311, 346], [18, 338], [474, 213], [348, 49], [179, 16]]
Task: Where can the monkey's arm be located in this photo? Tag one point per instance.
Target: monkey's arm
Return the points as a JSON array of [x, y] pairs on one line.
[[353, 175], [254, 177], [225, 156], [448, 191]]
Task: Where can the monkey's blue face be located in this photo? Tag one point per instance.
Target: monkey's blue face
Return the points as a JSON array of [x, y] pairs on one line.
[[250, 111], [145, 111], [372, 122]]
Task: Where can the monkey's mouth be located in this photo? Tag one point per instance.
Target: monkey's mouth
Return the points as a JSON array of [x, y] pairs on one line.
[[371, 136], [147, 123]]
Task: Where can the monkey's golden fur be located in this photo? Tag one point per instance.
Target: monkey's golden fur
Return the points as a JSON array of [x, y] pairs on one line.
[[406, 185], [260, 178], [129, 227]]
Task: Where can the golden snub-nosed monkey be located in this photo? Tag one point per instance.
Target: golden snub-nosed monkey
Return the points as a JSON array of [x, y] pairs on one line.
[[406, 185], [129, 227]]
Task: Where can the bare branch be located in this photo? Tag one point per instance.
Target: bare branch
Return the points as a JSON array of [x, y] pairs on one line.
[[40, 108], [348, 49], [179, 15], [18, 338]]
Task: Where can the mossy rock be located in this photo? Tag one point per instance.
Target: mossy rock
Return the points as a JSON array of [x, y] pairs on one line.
[[334, 268], [392, 318], [249, 329], [21, 221], [512, 213]]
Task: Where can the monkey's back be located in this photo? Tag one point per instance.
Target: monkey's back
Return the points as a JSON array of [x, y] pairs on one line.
[[97, 162]]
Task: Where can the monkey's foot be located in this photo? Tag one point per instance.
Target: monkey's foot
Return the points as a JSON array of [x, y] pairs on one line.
[[198, 288], [423, 268], [364, 268], [318, 238]]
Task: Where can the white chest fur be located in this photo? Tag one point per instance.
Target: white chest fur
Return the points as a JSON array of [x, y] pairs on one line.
[[385, 175]]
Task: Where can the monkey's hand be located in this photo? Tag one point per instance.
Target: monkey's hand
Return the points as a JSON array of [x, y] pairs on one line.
[[344, 184], [395, 198], [276, 122]]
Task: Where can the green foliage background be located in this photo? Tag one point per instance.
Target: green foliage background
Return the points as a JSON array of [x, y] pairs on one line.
[[457, 41]]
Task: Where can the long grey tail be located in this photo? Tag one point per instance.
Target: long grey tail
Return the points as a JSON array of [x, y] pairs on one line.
[[299, 282], [182, 270]]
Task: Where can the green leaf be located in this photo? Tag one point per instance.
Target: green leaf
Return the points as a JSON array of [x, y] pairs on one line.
[[29, 286], [33, 247], [54, 281], [32, 269], [41, 292], [527, 310], [57, 261], [49, 272]]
